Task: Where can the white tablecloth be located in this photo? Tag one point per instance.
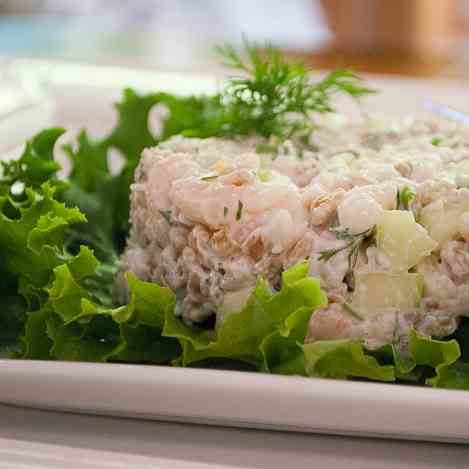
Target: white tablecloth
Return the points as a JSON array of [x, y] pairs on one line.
[[40, 439]]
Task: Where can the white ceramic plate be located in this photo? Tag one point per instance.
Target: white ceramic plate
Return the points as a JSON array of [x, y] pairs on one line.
[[239, 399], [24, 107], [223, 397]]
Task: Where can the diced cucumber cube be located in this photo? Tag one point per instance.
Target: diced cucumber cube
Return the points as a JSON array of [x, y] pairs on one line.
[[380, 291], [402, 239]]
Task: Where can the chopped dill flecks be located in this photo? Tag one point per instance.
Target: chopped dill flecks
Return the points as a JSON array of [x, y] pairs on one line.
[[239, 212], [404, 198], [166, 214]]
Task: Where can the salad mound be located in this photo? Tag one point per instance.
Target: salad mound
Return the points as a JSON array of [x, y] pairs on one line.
[[259, 231]]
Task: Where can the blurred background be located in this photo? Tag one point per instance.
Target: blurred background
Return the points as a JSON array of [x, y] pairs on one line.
[[412, 37], [413, 49]]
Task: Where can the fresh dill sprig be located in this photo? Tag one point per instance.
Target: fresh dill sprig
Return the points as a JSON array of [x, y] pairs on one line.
[[267, 96], [275, 97], [353, 243], [239, 211]]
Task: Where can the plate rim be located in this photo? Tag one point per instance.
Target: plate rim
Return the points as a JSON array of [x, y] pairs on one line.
[[249, 399]]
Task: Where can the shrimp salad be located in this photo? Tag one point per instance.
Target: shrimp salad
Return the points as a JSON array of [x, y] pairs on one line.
[[378, 210], [258, 230]]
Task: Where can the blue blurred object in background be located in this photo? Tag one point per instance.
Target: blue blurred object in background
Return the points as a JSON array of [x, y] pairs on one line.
[[32, 35], [174, 34]]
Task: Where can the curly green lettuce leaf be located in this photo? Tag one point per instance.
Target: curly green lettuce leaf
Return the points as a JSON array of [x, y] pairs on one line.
[[89, 162], [405, 368], [425, 356], [129, 333], [441, 356], [343, 359], [32, 228], [431, 352], [12, 317], [36, 165], [281, 350], [74, 326], [93, 340], [31, 244], [454, 376], [35, 342], [192, 116], [102, 195], [241, 334], [94, 190], [132, 133], [348, 359], [461, 335], [66, 292], [324, 359], [282, 355]]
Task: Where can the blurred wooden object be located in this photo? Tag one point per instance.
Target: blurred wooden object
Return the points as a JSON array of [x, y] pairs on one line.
[[375, 62], [390, 36]]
